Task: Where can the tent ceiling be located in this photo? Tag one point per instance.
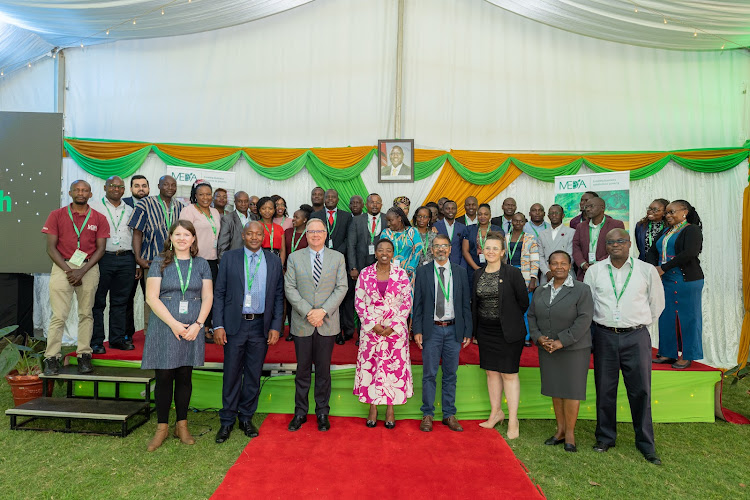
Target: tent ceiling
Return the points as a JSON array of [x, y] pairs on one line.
[[31, 29]]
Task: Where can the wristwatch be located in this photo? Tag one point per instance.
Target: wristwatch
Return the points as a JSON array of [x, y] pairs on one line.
[[199, 324]]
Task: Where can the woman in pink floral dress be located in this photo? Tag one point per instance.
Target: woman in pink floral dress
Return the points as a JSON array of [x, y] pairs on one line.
[[383, 302]]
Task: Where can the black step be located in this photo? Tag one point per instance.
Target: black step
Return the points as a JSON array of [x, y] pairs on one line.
[[104, 374], [97, 409]]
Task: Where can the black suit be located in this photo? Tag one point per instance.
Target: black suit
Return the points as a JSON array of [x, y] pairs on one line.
[[513, 292], [360, 239], [462, 220], [687, 245], [339, 235], [246, 346], [502, 222]]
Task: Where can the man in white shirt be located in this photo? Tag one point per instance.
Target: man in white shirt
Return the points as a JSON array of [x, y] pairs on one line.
[[116, 269], [442, 325], [628, 297], [471, 205], [555, 237]]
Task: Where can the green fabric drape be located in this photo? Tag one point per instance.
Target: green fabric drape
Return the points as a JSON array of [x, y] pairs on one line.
[[479, 178], [424, 169], [637, 174], [712, 165], [223, 164], [347, 182], [122, 167]]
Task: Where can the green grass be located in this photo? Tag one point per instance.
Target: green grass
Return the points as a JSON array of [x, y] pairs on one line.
[[700, 461]]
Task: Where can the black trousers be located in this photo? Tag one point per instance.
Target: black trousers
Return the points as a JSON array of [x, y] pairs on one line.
[[346, 309], [631, 353], [315, 349], [244, 354], [130, 315], [116, 274], [177, 382]]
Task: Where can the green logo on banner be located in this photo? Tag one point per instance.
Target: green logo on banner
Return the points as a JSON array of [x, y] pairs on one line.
[[5, 202], [572, 185]]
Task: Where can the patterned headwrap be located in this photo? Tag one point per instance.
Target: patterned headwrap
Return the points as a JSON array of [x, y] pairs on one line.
[[401, 199]]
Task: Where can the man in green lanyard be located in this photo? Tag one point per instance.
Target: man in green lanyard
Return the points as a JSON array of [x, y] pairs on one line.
[[76, 239], [588, 246], [116, 269], [628, 297], [537, 224]]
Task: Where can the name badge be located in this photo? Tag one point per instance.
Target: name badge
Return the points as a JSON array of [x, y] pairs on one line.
[[426, 263], [77, 258], [216, 243], [482, 259], [592, 257], [330, 243], [115, 240], [248, 301], [396, 263], [183, 307], [616, 315], [371, 249]]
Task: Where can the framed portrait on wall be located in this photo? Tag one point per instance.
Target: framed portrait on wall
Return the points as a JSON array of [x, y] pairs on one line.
[[396, 160]]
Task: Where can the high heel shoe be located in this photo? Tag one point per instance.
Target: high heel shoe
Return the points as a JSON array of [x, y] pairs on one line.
[[162, 431], [490, 425], [181, 431], [514, 434], [390, 425], [371, 423]]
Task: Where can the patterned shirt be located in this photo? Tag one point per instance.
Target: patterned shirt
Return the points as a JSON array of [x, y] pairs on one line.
[[148, 217]]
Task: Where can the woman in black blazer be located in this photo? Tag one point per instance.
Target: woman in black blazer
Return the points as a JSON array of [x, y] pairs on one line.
[[675, 254], [499, 301], [560, 323]]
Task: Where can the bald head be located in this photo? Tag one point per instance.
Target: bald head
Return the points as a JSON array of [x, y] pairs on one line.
[[618, 246]]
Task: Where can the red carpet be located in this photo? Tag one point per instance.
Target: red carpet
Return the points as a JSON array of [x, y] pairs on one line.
[[283, 352], [352, 461]]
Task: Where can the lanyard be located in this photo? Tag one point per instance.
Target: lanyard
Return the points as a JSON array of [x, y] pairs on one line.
[[167, 218], [479, 239], [250, 279], [373, 233], [271, 231], [78, 231], [446, 291], [624, 286], [210, 218], [592, 241], [515, 247], [331, 229], [117, 226], [533, 228], [184, 284], [401, 242], [667, 236], [425, 246], [295, 245]]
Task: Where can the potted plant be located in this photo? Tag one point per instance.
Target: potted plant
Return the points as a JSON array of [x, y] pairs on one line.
[[21, 365]]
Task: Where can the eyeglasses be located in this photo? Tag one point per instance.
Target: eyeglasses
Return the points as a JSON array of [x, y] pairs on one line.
[[316, 231], [672, 212], [653, 210], [440, 247], [115, 186], [621, 241], [423, 216]]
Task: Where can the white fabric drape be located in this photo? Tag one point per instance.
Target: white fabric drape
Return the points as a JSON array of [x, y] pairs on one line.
[[30, 89], [715, 196]]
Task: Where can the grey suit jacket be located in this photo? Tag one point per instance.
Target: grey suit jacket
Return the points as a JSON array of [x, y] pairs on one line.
[[568, 319], [358, 241], [304, 296], [230, 234], [547, 245]]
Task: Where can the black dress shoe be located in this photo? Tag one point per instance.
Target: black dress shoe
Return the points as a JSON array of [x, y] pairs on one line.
[[289, 338], [570, 447], [84, 364], [122, 346], [678, 366], [51, 366], [128, 340], [663, 361], [602, 447], [98, 349], [224, 432], [651, 457], [297, 422], [249, 429], [340, 339], [554, 442], [323, 423], [527, 343]]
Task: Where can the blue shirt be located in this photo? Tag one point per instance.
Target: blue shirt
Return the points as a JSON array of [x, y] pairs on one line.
[[258, 290], [312, 258]]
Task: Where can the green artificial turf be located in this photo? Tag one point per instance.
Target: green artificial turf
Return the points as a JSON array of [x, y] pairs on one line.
[[700, 461]]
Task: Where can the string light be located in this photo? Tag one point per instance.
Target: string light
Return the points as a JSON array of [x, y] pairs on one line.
[[695, 33], [162, 12], [722, 46], [665, 20], [636, 10], [133, 21], [108, 32]]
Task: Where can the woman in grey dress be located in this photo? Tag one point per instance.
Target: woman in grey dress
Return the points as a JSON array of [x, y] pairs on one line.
[[179, 290], [559, 322]]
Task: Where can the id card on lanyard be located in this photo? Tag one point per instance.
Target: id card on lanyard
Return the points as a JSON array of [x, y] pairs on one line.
[[616, 314], [78, 256], [250, 279], [184, 284]]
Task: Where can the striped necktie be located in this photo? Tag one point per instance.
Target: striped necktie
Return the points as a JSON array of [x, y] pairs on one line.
[[317, 269]]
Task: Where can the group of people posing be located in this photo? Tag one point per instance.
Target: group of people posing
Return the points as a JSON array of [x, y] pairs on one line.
[[233, 278]]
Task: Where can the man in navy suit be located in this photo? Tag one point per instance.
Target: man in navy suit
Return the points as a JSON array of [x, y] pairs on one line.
[[442, 325], [454, 230], [249, 307]]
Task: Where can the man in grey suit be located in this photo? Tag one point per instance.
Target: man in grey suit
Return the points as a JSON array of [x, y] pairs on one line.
[[555, 237], [315, 285], [233, 223]]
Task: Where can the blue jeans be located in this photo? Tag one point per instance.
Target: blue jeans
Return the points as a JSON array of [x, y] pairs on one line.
[[440, 344]]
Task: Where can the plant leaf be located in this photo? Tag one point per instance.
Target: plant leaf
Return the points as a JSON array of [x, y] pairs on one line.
[[9, 358]]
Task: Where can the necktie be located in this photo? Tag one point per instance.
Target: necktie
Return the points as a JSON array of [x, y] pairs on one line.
[[510, 225], [253, 296], [440, 305], [330, 217], [374, 223], [317, 269]]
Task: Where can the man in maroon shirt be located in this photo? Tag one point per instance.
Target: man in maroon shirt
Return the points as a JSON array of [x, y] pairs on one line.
[[76, 239]]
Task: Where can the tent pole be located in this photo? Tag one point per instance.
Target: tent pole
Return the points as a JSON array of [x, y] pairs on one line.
[[399, 73]]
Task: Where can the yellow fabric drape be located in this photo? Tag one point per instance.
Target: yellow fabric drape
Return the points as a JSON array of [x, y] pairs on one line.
[[106, 150], [745, 337], [478, 161], [546, 161], [342, 157], [707, 155], [624, 162], [451, 185], [196, 154], [421, 155], [273, 157]]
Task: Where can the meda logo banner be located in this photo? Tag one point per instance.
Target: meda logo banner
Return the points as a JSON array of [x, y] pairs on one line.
[[612, 187], [186, 177], [609, 181], [573, 185]]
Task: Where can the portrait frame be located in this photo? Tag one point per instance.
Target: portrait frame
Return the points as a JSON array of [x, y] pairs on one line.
[[385, 149]]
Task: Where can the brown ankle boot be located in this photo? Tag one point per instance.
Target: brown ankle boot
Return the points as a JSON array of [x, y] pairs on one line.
[[181, 431], [162, 431]]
